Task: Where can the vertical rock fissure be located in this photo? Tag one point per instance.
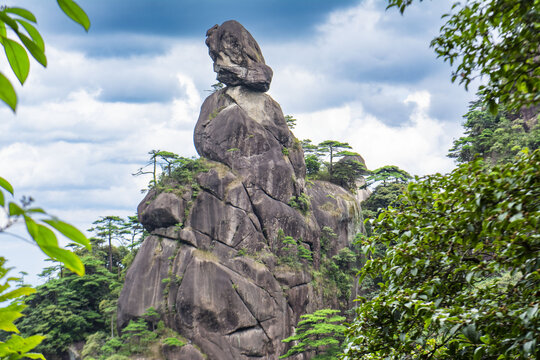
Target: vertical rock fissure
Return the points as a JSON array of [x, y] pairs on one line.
[[252, 313]]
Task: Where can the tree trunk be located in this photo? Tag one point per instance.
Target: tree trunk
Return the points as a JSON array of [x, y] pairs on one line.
[[110, 253]]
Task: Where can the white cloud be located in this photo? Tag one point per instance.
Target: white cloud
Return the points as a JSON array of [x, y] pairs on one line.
[[74, 151], [419, 146]]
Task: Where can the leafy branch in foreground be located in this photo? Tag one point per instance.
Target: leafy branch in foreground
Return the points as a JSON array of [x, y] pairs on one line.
[[14, 347], [460, 271], [41, 228], [21, 23]]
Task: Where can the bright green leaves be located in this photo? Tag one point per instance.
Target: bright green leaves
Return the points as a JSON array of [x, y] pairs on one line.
[[7, 93], [74, 11], [22, 13], [17, 347], [33, 33], [20, 22], [18, 59], [40, 230], [6, 185], [14, 346], [69, 231]]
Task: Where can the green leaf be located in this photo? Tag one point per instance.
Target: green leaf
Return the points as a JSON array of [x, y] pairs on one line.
[[22, 291], [2, 200], [69, 259], [31, 226], [34, 49], [15, 210], [9, 21], [18, 59], [46, 238], [34, 34], [22, 13], [34, 355], [69, 231], [6, 185], [7, 94], [74, 11], [7, 316], [19, 347], [36, 210], [2, 29], [48, 243]]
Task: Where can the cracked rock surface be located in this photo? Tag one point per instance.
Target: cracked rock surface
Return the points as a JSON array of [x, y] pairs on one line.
[[211, 266]]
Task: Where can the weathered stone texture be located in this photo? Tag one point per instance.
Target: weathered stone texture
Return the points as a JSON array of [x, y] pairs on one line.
[[211, 266], [238, 60]]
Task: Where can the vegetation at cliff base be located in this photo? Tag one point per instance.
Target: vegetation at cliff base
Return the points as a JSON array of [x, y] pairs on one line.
[[319, 334]]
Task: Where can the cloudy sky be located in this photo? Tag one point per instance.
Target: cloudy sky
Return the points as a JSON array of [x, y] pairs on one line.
[[346, 69]]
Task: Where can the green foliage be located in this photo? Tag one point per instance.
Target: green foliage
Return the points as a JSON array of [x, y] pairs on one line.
[[216, 87], [285, 151], [496, 39], [185, 169], [338, 274], [304, 252], [172, 341], [292, 252], [27, 40], [170, 170], [333, 149], [40, 226], [347, 171], [388, 173], [382, 197], [139, 337], [313, 164], [291, 122], [320, 333], [109, 228], [495, 138], [93, 344], [163, 159], [14, 347], [67, 309], [460, 272], [301, 203], [327, 234]]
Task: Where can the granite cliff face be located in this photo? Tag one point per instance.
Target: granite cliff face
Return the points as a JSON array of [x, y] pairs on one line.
[[212, 264]]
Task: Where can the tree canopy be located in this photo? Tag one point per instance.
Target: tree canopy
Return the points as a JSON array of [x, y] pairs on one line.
[[460, 272], [495, 138]]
